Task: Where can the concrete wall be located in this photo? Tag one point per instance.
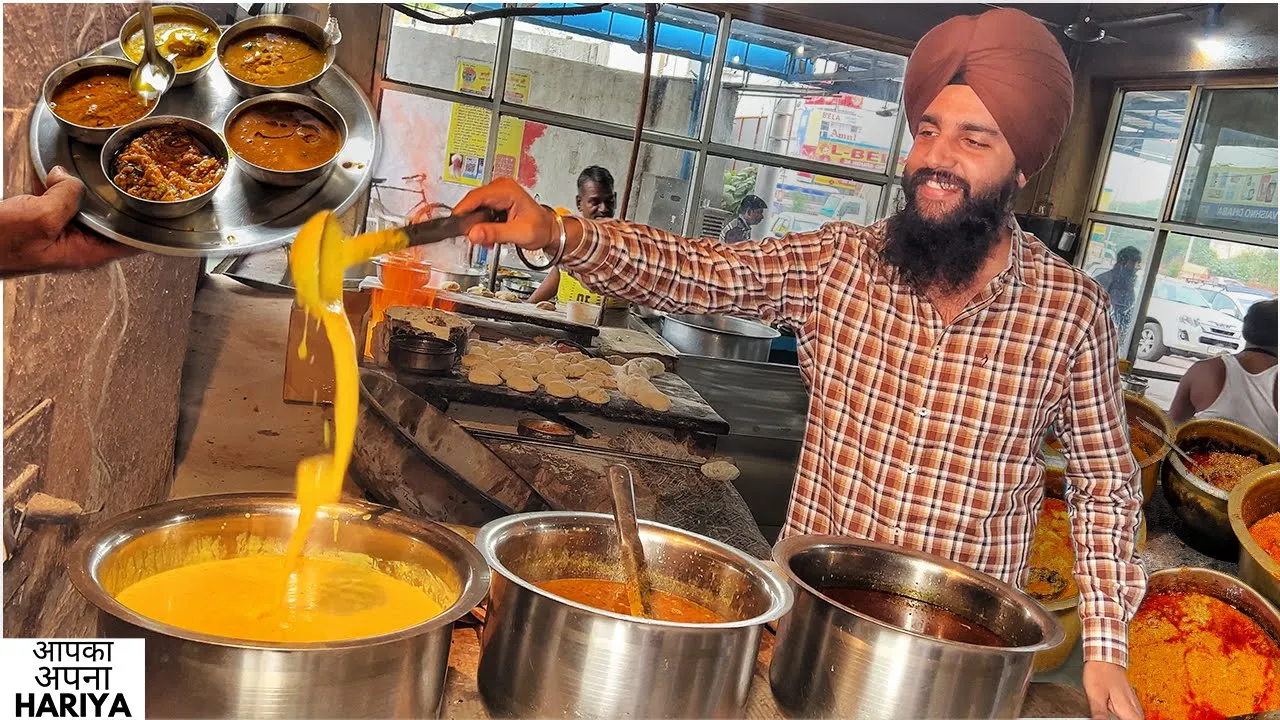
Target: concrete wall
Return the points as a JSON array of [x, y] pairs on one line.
[[98, 353]]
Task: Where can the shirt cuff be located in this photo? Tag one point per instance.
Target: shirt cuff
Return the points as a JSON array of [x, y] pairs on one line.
[[591, 252], [1106, 639]]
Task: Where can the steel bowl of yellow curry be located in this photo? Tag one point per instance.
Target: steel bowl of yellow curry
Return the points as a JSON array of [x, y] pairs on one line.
[[188, 37], [251, 607]]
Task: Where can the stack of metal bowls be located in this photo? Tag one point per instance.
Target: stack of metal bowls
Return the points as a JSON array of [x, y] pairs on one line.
[[191, 674], [545, 656], [1202, 507], [1254, 498], [832, 661]]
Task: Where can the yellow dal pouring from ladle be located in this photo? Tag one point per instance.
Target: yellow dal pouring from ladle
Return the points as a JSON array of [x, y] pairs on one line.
[[297, 598]]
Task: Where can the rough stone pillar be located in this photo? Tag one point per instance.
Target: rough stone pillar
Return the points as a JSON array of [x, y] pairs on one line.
[[105, 347]]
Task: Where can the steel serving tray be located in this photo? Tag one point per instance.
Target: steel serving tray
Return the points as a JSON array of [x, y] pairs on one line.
[[245, 216]]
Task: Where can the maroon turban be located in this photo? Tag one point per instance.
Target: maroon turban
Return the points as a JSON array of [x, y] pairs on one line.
[[1013, 64]]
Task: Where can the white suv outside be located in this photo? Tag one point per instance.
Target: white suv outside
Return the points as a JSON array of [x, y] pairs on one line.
[[1181, 321]]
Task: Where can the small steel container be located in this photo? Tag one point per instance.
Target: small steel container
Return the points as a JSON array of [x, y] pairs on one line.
[[191, 674], [167, 12], [321, 38], [155, 208], [465, 277], [287, 178], [422, 354], [84, 133], [1256, 497], [548, 657], [1202, 507], [832, 661]]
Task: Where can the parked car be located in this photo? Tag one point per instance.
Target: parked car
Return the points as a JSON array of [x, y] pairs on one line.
[[1234, 301], [1180, 320]]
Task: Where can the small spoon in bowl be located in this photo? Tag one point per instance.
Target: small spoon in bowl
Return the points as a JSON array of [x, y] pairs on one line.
[[154, 73]]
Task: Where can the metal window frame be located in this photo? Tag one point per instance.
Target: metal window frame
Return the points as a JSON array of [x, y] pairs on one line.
[[1163, 225], [702, 145]]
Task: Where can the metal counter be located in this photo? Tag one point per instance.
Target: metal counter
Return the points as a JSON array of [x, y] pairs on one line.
[[765, 405]]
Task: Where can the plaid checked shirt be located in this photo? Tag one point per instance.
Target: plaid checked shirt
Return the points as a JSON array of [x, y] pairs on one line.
[[921, 434]]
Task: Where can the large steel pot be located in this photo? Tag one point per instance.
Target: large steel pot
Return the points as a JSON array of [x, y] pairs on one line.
[[1137, 406], [191, 674], [1203, 507], [1256, 497], [719, 336], [1228, 589], [544, 656], [832, 661]]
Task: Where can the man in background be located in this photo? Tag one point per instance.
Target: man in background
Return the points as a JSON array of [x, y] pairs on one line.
[[1120, 283], [750, 214], [597, 200], [1241, 387]]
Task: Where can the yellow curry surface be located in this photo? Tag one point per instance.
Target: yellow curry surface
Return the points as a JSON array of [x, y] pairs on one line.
[[295, 597], [241, 598]]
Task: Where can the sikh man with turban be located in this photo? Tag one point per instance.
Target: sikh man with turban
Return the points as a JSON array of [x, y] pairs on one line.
[[938, 345]]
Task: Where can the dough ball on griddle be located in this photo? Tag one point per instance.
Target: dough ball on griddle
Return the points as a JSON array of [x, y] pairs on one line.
[[592, 393], [561, 389], [483, 376], [450, 286], [522, 383]]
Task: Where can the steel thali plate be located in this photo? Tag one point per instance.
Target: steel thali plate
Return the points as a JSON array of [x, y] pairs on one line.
[[245, 216]]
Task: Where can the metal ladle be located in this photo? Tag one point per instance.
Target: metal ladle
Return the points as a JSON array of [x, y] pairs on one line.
[[154, 73], [1193, 467], [633, 562]]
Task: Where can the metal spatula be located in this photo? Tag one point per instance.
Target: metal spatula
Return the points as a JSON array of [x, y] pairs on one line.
[[1169, 441], [624, 514]]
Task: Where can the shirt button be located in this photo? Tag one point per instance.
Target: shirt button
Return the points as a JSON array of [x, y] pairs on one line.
[[911, 469], [923, 412]]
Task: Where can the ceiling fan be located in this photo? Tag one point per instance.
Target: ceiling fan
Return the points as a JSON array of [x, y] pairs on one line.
[[1088, 30]]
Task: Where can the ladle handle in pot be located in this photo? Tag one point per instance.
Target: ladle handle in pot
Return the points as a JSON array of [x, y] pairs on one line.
[[624, 513]]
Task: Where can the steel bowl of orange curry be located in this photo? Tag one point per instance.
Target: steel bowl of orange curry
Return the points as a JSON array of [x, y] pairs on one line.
[[351, 616], [560, 639], [91, 99], [285, 139], [275, 53]]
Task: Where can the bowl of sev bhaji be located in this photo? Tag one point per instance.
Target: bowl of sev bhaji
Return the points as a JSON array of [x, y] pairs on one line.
[[1225, 453], [91, 99], [1052, 578], [275, 53], [187, 37], [285, 139], [1254, 510], [165, 166], [1203, 646]]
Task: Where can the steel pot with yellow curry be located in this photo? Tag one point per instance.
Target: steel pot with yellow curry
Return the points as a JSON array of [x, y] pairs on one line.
[[360, 626]]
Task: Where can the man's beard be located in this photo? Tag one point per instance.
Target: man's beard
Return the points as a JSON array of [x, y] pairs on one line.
[[944, 255]]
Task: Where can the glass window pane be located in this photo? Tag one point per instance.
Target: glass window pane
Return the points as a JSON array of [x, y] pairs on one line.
[[1230, 176], [414, 178], [550, 159], [1108, 258], [908, 141], [796, 201], [450, 57], [1143, 152], [806, 97], [593, 65], [1203, 290]]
